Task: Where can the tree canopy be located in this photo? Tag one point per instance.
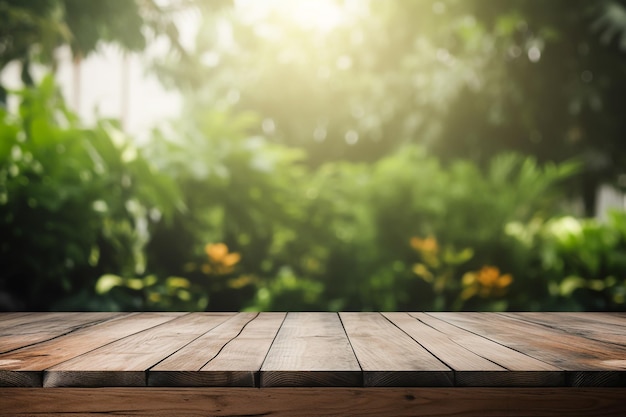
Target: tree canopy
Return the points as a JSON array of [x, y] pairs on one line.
[[464, 78]]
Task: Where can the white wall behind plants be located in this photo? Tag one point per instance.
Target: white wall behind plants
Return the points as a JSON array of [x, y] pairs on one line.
[[610, 198], [108, 83]]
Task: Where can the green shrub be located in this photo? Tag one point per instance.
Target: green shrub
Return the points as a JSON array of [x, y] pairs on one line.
[[75, 203], [580, 264], [222, 220]]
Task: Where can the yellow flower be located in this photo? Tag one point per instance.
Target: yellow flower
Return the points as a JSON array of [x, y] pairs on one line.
[[221, 261], [487, 282], [241, 281], [428, 245], [422, 271], [428, 249]]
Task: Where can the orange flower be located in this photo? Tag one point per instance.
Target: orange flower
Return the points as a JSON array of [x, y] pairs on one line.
[[221, 261], [428, 249], [487, 282]]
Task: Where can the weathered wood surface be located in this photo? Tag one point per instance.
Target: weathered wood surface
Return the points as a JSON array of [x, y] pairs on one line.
[[586, 361], [19, 330], [23, 367], [476, 361], [313, 402], [125, 361], [229, 355], [390, 357], [312, 350]]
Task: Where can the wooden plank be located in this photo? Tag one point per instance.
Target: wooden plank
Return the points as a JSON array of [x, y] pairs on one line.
[[125, 361], [311, 349], [183, 367], [196, 354], [524, 370], [469, 366], [440, 345], [586, 362], [314, 402], [389, 357], [605, 318], [229, 355], [581, 326], [35, 328], [13, 318], [246, 352], [24, 367]]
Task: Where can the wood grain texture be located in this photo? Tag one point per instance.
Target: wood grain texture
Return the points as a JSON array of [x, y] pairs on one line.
[[470, 368], [314, 349], [523, 370], [125, 361], [229, 355], [35, 328], [389, 357], [51, 352], [616, 319], [440, 345], [311, 349], [196, 354], [586, 362], [246, 352], [313, 402], [581, 326], [24, 367], [183, 368], [11, 319]]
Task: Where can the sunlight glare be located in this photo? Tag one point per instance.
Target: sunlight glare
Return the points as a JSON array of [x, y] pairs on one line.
[[322, 15]]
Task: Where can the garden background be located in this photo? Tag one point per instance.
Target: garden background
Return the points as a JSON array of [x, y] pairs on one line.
[[329, 155]]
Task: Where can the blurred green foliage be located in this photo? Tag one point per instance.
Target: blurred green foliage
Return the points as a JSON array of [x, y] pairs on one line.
[[219, 219], [72, 204], [581, 262], [415, 156], [463, 78]]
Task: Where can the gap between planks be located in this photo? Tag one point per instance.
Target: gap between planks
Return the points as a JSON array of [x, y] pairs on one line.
[[124, 361], [585, 362]]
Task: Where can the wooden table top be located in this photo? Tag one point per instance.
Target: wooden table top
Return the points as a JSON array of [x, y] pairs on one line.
[[312, 349]]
